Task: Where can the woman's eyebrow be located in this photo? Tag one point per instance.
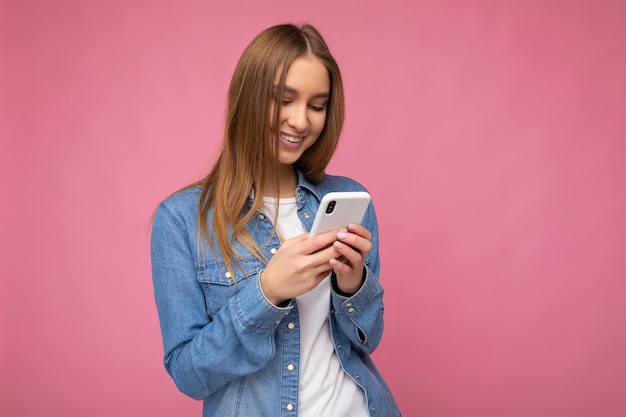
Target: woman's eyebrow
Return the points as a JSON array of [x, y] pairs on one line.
[[322, 94]]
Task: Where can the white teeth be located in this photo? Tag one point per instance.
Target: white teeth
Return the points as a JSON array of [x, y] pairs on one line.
[[292, 139]]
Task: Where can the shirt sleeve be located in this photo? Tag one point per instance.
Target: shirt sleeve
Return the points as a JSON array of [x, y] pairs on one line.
[[203, 353], [360, 316]]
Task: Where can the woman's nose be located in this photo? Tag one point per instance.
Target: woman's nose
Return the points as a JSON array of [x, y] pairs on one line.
[[297, 119]]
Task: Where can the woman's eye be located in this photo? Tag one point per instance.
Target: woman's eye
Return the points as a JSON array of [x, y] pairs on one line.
[[318, 108]]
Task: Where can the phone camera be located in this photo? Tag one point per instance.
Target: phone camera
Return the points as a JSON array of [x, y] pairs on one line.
[[330, 207]]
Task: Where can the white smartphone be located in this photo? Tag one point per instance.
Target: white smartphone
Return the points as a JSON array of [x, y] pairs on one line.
[[338, 209]]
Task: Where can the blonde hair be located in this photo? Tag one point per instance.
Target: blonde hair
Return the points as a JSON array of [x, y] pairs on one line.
[[249, 149]]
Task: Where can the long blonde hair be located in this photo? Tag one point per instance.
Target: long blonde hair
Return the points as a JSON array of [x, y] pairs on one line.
[[249, 149]]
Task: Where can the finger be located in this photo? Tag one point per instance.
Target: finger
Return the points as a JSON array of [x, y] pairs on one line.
[[295, 240], [356, 242], [321, 241], [360, 230], [323, 256], [341, 265], [347, 253]]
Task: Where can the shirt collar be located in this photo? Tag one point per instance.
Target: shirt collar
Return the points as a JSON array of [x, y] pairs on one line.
[[303, 184]]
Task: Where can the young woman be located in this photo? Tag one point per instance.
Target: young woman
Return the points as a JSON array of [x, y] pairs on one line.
[[257, 319]]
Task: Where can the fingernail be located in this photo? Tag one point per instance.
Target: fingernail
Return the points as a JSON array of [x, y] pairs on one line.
[[352, 226], [338, 245], [342, 235]]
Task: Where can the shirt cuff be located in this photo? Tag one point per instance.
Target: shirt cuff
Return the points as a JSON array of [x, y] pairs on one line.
[[254, 310]]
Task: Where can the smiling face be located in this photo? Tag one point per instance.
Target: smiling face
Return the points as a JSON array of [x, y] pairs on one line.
[[303, 107]]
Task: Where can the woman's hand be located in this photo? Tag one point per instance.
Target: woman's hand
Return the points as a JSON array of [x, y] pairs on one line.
[[298, 266], [352, 245]]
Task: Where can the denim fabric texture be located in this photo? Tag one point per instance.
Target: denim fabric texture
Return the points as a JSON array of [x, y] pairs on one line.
[[225, 344]]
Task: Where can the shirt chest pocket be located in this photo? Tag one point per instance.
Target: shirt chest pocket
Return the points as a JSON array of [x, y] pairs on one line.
[[219, 285]]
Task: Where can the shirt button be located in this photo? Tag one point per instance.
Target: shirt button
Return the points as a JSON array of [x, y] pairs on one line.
[[273, 251], [348, 304], [289, 407], [373, 408], [290, 367], [291, 326], [227, 275], [351, 310], [357, 376], [306, 215], [339, 346], [261, 216]]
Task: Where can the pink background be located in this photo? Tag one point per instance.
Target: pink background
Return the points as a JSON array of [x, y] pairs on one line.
[[490, 133]]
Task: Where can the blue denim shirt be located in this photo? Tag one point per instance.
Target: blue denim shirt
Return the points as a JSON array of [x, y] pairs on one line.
[[226, 344]]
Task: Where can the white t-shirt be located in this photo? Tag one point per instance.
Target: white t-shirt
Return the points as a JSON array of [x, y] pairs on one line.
[[325, 389]]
